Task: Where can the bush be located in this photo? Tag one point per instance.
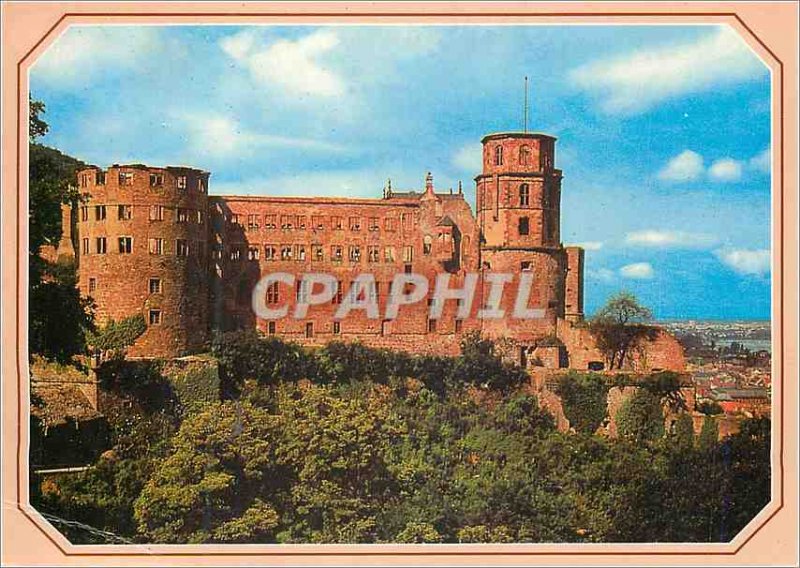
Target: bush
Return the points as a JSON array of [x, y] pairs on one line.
[[640, 419], [584, 400], [194, 384], [117, 335]]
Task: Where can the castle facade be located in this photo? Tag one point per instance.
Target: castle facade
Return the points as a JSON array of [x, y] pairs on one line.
[[152, 241]]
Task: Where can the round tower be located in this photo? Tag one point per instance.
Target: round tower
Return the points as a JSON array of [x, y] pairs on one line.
[[518, 207], [142, 237]]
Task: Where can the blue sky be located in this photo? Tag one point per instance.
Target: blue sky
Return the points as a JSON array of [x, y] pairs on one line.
[[664, 131]]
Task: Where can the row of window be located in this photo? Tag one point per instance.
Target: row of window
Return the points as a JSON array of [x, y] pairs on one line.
[[154, 285], [126, 178], [157, 246], [524, 158], [271, 221], [156, 213], [298, 252], [272, 327]]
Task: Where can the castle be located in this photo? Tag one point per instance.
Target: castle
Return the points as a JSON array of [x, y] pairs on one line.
[[152, 241]]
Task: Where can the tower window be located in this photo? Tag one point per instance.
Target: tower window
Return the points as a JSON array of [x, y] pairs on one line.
[[337, 328], [182, 215], [271, 328], [99, 212], [156, 212], [338, 295], [155, 317], [273, 295], [524, 226], [336, 253], [125, 212], [84, 213], [181, 182], [524, 195], [252, 253], [309, 329], [427, 244], [524, 156], [182, 247], [431, 325], [125, 245], [155, 285], [100, 244], [156, 180], [498, 156], [156, 246], [85, 246], [100, 177], [92, 285], [126, 178], [318, 253]]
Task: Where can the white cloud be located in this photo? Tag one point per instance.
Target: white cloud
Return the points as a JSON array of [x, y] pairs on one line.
[[725, 169], [469, 158], [761, 161], [222, 136], [637, 271], [685, 166], [743, 261], [590, 245], [84, 50], [295, 66], [638, 81], [602, 274], [667, 239]]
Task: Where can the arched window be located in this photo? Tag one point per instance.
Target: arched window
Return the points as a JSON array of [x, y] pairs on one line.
[[498, 156], [524, 155], [524, 226], [524, 195], [427, 243]]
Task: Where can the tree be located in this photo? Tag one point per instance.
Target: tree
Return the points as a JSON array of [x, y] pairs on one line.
[[619, 327], [584, 400], [709, 434], [683, 437], [640, 418], [58, 317]]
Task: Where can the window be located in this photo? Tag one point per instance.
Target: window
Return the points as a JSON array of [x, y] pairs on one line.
[[373, 254], [301, 253], [156, 212], [317, 253], [355, 223], [84, 180], [124, 212], [524, 226], [252, 253], [336, 223], [236, 254], [524, 195], [337, 328], [408, 253], [201, 185], [273, 293], [388, 254], [525, 266], [234, 218], [545, 197], [100, 177], [155, 285], [301, 291], [390, 224], [524, 155], [156, 180], [301, 222], [407, 268], [100, 245], [286, 252], [427, 244], [270, 222], [271, 328], [155, 317], [182, 215], [85, 246], [317, 222], [217, 252], [99, 212], [355, 254], [498, 156], [336, 253], [270, 252], [459, 324], [181, 182], [182, 247], [252, 222], [287, 222], [309, 329], [126, 178], [92, 285], [373, 224], [431, 325], [337, 296], [84, 213], [156, 246], [125, 245]]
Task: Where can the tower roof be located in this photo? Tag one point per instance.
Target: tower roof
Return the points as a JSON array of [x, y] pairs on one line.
[[500, 135]]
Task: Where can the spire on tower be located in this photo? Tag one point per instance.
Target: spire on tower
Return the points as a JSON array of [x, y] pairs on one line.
[[460, 191]]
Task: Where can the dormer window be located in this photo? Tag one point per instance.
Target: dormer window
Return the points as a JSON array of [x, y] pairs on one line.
[[181, 181], [156, 180], [498, 156]]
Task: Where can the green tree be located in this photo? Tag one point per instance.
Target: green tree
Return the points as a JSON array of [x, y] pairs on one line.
[[709, 434], [640, 418], [619, 327], [584, 400], [683, 437]]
